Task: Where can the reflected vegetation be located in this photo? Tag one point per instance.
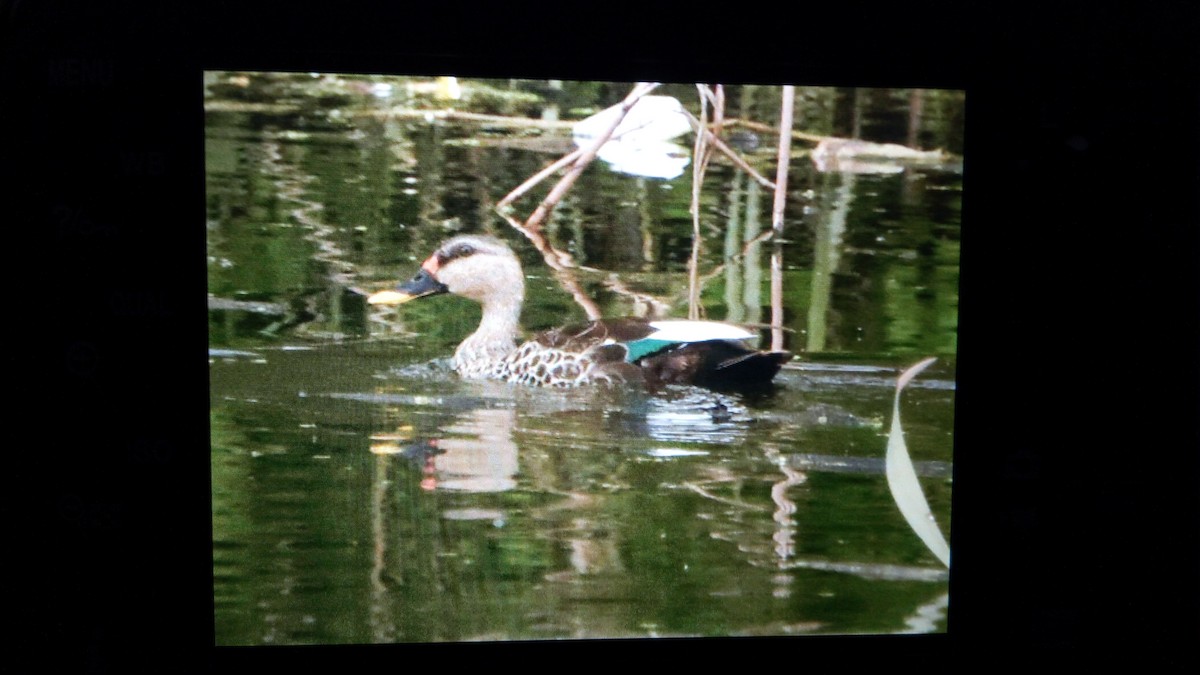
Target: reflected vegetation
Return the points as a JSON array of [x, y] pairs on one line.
[[361, 493]]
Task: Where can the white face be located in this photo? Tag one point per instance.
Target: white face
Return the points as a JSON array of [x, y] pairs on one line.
[[488, 274]]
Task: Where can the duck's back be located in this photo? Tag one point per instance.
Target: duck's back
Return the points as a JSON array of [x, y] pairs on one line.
[[652, 352]]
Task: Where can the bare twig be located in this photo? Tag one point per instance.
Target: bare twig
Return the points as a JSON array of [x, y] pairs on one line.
[[581, 162], [730, 153], [578, 160], [464, 116], [539, 177], [768, 129], [715, 97]]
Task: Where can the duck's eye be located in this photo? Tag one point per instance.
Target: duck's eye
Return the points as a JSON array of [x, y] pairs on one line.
[[454, 252]]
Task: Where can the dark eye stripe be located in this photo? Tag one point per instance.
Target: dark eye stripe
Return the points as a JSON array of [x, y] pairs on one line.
[[455, 252]]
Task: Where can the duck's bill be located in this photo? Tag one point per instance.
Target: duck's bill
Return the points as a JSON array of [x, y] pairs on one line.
[[418, 287]]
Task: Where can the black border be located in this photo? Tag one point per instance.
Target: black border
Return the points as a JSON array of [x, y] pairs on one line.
[[1075, 530]]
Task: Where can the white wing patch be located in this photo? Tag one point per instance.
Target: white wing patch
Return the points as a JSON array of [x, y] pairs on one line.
[[696, 331]]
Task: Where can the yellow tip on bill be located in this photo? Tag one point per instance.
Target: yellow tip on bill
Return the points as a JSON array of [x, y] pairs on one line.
[[389, 298]]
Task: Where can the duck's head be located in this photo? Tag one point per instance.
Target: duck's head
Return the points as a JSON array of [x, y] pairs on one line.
[[478, 267]]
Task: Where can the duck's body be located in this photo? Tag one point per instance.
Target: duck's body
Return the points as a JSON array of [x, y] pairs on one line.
[[653, 352]]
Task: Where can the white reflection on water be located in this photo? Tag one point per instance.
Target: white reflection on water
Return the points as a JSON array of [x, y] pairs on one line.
[[666, 453], [478, 453]]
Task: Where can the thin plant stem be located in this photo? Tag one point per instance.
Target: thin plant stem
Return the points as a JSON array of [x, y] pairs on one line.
[[781, 176], [700, 152]]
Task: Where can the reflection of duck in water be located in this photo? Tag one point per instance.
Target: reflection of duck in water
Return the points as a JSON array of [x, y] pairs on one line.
[[475, 454], [484, 269]]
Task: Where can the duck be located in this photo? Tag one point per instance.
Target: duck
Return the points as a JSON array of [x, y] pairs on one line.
[[651, 352]]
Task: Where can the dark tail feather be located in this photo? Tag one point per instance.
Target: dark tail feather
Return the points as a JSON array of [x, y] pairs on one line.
[[766, 363], [751, 369], [716, 364]]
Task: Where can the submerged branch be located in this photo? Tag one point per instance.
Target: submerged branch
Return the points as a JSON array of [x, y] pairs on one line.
[[563, 267], [655, 307], [555, 258], [768, 129], [849, 147], [722, 500], [464, 116], [764, 236], [567, 279]]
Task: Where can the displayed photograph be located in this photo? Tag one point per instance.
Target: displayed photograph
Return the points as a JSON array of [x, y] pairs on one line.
[[520, 359]]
